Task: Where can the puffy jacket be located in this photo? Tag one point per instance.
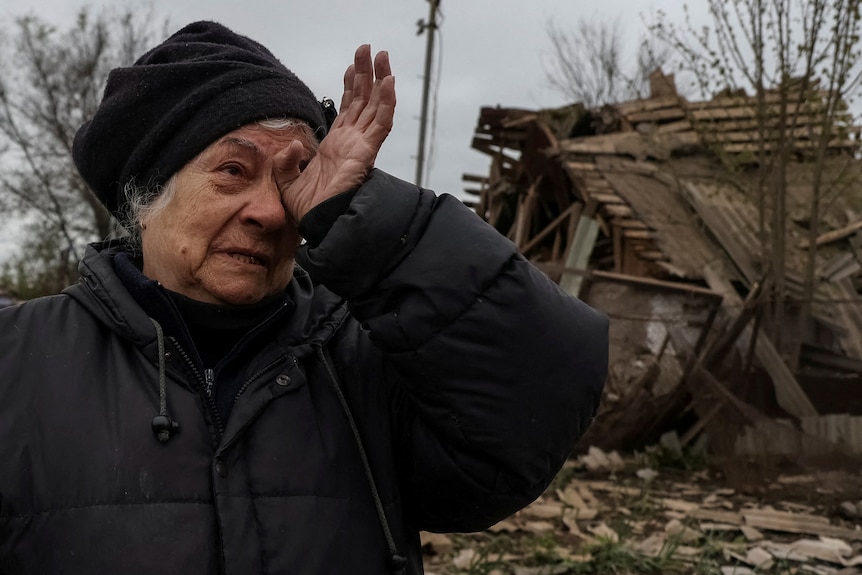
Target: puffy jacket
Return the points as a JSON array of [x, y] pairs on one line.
[[427, 373]]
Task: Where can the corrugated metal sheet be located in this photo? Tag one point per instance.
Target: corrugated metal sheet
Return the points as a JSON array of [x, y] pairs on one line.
[[841, 429], [779, 437], [732, 218], [774, 437], [840, 302]]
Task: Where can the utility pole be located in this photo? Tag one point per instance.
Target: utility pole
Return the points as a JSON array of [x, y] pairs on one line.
[[429, 28]]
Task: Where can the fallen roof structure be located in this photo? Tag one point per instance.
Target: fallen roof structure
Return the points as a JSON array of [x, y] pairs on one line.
[[645, 210]]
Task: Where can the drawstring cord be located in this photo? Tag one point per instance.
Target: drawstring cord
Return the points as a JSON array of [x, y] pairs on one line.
[[163, 426], [397, 562]]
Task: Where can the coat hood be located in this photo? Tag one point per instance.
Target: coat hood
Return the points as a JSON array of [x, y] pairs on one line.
[[317, 313]]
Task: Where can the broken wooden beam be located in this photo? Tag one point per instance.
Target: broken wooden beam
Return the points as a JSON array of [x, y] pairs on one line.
[[834, 235], [788, 522], [572, 211], [580, 249], [789, 394]]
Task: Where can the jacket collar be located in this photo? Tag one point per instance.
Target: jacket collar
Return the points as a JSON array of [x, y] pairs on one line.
[[316, 313]]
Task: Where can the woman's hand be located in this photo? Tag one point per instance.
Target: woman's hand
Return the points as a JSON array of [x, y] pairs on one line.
[[349, 150]]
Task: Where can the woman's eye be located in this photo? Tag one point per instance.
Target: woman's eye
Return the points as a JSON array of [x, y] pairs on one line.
[[232, 169]]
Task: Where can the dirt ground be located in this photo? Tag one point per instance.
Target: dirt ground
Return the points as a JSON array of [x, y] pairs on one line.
[[651, 514]]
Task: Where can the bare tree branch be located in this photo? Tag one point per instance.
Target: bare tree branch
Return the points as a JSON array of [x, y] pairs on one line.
[[586, 64], [51, 81]]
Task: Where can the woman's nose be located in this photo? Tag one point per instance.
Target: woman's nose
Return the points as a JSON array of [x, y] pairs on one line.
[[264, 208]]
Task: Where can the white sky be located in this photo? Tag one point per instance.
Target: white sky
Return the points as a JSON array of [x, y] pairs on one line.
[[492, 54]]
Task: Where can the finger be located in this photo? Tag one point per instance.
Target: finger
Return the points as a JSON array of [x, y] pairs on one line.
[[363, 80], [347, 96], [381, 107], [384, 86], [385, 109], [382, 68]]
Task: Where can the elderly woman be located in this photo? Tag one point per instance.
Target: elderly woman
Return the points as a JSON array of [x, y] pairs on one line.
[[201, 404]]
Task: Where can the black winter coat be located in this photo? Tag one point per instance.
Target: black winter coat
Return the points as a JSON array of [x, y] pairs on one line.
[[468, 374]]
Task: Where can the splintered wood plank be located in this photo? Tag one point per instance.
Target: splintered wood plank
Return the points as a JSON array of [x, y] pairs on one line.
[[799, 145], [581, 166], [599, 185], [771, 124], [799, 135], [520, 120], [619, 254], [492, 150], [656, 115], [672, 127], [652, 255], [679, 505], [573, 211], [631, 224], [639, 234], [810, 96], [618, 210], [592, 145], [524, 215], [747, 113], [474, 179], [607, 198], [609, 487], [835, 235], [649, 104], [717, 516], [573, 498], [497, 134], [543, 509], [787, 522], [626, 166]]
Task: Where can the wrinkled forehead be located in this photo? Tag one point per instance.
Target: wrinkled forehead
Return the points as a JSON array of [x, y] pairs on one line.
[[261, 140], [262, 135]]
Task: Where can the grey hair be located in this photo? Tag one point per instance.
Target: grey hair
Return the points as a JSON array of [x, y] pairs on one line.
[[143, 203], [286, 123]]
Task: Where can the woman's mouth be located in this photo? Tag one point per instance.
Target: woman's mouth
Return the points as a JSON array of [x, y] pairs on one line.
[[245, 258]]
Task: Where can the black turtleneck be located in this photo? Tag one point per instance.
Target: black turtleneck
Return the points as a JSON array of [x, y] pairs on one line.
[[216, 329], [208, 332]]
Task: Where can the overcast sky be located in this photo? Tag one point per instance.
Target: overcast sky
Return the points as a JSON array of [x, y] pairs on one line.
[[490, 52]]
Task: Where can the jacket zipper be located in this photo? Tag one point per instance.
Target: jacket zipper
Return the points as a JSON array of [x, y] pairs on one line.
[[259, 374], [209, 375], [203, 385]]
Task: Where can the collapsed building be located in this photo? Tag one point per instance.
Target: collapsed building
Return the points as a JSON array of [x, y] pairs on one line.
[[647, 211]]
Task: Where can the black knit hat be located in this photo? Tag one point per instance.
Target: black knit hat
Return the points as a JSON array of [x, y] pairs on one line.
[[177, 99]]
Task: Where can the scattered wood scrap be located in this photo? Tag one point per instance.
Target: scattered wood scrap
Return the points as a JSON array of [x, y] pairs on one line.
[[663, 520]]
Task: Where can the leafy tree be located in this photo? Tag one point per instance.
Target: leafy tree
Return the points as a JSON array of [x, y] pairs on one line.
[[51, 81]]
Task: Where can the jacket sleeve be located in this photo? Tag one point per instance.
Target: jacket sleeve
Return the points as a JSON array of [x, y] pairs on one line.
[[501, 371]]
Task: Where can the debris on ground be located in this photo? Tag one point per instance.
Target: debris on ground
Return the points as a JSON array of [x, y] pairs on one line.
[[616, 519]]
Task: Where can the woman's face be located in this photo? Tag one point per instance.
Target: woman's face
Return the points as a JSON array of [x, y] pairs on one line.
[[225, 237]]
